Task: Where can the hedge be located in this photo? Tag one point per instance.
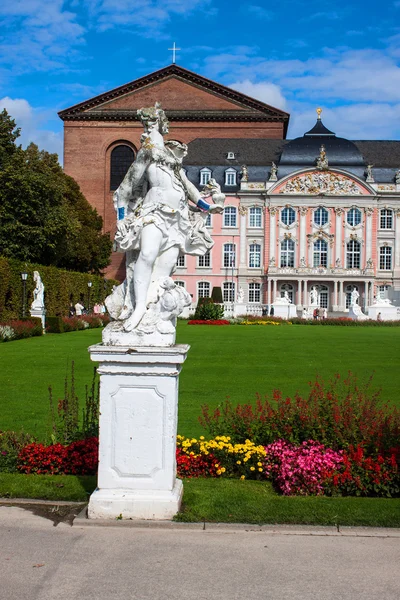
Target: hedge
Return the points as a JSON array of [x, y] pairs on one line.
[[61, 288]]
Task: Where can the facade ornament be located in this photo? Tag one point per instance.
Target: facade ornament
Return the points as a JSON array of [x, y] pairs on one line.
[[398, 212], [339, 211], [397, 177], [303, 210], [272, 262], [369, 211], [244, 174], [287, 236], [240, 296], [368, 173], [317, 183], [303, 263], [370, 264], [242, 210], [274, 169], [338, 263], [322, 160], [273, 210]]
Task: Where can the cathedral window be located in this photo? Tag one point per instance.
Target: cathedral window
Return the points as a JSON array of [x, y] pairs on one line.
[[255, 256], [385, 258], [353, 255], [321, 216], [230, 216], [254, 292], [255, 217], [205, 176], [288, 216], [386, 218], [287, 253], [121, 159], [354, 217], [320, 253]]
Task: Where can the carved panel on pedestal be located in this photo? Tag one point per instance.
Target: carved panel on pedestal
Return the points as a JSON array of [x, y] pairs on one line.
[[136, 410]]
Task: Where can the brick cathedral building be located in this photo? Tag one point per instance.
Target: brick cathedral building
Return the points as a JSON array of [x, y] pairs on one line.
[[319, 211]]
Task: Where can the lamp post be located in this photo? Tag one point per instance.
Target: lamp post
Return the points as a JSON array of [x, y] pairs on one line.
[[89, 288], [24, 277]]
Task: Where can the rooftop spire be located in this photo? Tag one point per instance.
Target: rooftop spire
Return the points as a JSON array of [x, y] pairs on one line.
[[319, 111]]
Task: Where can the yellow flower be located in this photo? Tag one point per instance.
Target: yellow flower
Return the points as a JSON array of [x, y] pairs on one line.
[[252, 468], [238, 462], [202, 437], [242, 477], [259, 464], [219, 472], [223, 470], [260, 470]]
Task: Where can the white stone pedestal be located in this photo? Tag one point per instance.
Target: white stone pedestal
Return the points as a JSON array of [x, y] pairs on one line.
[[138, 422], [387, 312], [285, 311], [39, 313]]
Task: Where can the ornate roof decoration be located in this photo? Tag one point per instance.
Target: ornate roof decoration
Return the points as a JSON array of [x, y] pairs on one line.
[[321, 183], [247, 108]]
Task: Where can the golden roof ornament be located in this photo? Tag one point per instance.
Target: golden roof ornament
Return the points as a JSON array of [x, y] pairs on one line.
[[319, 111]]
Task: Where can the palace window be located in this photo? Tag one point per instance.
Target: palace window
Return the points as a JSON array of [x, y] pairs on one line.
[[287, 253], [208, 220], [230, 216], [205, 176], [385, 258], [354, 217], [320, 253], [321, 216], [255, 256], [120, 160], [386, 220], [230, 177], [288, 216], [229, 255], [255, 217], [384, 291], [180, 283], [323, 293], [205, 260], [353, 255], [255, 292], [229, 291], [203, 289], [181, 261]]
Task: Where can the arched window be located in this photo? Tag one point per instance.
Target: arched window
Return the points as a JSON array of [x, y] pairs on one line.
[[229, 255], [353, 255], [121, 159], [254, 292], [323, 293], [255, 216], [321, 216], [254, 256], [320, 253], [230, 216], [230, 177], [386, 220], [288, 216], [385, 258], [354, 217], [229, 291], [203, 289], [205, 176], [287, 253], [287, 287]]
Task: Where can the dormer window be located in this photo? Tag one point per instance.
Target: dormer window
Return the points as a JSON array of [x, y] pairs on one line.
[[205, 176], [230, 177], [231, 155]]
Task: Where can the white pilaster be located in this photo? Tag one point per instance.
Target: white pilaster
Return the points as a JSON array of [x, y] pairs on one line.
[[242, 232], [302, 250], [397, 242], [138, 421], [305, 292], [368, 234], [272, 234], [338, 227]]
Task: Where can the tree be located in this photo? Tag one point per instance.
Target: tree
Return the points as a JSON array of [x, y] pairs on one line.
[[44, 216]]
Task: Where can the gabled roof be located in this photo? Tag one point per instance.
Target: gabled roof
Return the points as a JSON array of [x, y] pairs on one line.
[[246, 108]]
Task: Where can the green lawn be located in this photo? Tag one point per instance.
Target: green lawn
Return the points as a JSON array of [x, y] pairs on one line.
[[234, 361]]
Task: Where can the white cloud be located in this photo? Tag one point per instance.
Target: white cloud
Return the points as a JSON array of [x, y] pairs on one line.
[[270, 93], [30, 120]]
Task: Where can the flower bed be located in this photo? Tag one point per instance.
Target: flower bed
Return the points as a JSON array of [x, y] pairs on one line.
[[67, 324], [20, 329], [210, 322], [78, 458]]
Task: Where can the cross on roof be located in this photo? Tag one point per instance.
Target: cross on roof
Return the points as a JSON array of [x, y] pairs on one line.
[[174, 49]]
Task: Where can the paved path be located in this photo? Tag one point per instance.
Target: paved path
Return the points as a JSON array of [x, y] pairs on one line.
[[43, 561]]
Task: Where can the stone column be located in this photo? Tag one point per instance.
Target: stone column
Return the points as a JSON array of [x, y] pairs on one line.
[[305, 292], [272, 234], [335, 298], [275, 290], [298, 293], [368, 235], [338, 227], [341, 303], [397, 241], [242, 234], [366, 299], [269, 292], [302, 249], [138, 421]]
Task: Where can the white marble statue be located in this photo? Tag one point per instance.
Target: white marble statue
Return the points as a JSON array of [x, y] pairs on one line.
[[354, 297], [314, 296], [38, 292], [155, 224], [240, 296]]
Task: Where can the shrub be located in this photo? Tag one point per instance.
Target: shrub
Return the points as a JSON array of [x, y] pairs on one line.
[[216, 295], [338, 414], [20, 329], [217, 322], [54, 325], [207, 310], [11, 444]]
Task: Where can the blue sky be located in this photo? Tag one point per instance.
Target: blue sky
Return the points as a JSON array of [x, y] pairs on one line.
[[295, 55]]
